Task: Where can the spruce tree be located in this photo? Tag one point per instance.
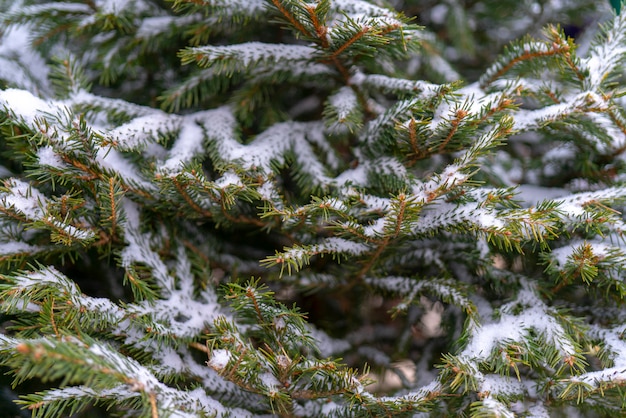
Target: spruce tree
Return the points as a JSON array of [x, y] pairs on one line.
[[272, 207]]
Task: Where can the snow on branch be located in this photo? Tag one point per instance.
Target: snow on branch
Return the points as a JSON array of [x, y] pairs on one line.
[[21, 65], [153, 26], [83, 99], [248, 56], [270, 148], [325, 146], [519, 317], [343, 109], [522, 52], [578, 104], [575, 205], [422, 89], [229, 8], [606, 55], [296, 257], [363, 8], [119, 6], [19, 199], [615, 345], [142, 130], [139, 248], [56, 8], [441, 215], [26, 106], [119, 375], [377, 127], [409, 289]]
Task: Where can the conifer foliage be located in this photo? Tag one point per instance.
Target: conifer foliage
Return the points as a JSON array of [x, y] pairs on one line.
[[258, 207]]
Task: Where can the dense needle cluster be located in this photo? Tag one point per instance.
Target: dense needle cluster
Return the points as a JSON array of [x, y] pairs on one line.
[[262, 207]]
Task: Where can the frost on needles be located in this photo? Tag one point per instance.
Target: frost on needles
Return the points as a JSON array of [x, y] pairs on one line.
[[252, 208]]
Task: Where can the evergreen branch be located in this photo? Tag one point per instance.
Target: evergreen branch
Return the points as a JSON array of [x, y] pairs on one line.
[[520, 53], [224, 8], [331, 138], [460, 114], [417, 152], [76, 399], [113, 194], [344, 46], [606, 55], [101, 368], [291, 18], [448, 290], [181, 189], [421, 88], [321, 30], [343, 108], [296, 257], [195, 89], [248, 56]]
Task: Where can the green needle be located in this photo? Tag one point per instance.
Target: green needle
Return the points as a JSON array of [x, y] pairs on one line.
[[617, 5]]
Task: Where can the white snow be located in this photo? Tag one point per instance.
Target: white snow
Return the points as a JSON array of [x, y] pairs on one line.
[[564, 254], [335, 204], [56, 7], [17, 247], [344, 102], [514, 327], [329, 407], [605, 56], [189, 144], [422, 89], [114, 6], [471, 98], [573, 205], [111, 159], [396, 284], [247, 7], [118, 392], [355, 176], [20, 64], [220, 358], [376, 228], [24, 198], [47, 156], [47, 274], [268, 192], [269, 381], [70, 230], [25, 105], [364, 18], [439, 184], [138, 249], [279, 323], [356, 8], [497, 408], [186, 313], [502, 385], [420, 394], [532, 119], [617, 137], [82, 97], [102, 306], [341, 245], [269, 146], [250, 53], [143, 129]]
